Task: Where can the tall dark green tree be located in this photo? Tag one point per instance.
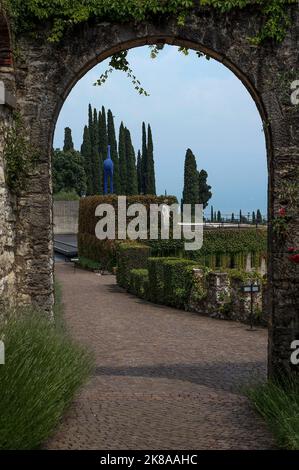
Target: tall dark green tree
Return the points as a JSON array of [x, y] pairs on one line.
[[150, 164], [86, 153], [144, 160], [122, 159], [219, 217], [253, 218], [132, 184], [96, 165], [114, 155], [139, 172], [212, 213], [190, 192], [68, 140], [259, 218], [204, 190]]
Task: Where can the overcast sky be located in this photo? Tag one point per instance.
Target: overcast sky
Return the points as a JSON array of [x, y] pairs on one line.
[[193, 103]]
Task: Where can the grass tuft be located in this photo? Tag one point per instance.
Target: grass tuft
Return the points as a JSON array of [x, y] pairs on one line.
[[278, 404], [43, 370]]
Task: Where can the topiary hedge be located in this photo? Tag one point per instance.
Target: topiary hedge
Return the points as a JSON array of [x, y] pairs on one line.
[[130, 256], [156, 279], [104, 251], [178, 281], [139, 283]]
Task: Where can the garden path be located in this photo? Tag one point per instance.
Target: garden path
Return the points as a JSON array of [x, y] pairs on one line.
[[164, 378]]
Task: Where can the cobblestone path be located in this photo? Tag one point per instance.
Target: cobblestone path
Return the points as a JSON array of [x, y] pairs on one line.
[[165, 379]]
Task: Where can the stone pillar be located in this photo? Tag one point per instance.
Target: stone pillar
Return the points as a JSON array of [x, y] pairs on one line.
[[218, 295], [8, 290]]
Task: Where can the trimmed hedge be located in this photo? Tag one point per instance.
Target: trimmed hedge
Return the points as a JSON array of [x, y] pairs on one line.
[[104, 251], [178, 281], [88, 205], [226, 248], [139, 283], [130, 256], [170, 280], [156, 279]]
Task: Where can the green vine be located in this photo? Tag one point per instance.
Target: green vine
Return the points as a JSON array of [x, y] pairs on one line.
[[61, 15], [19, 155]]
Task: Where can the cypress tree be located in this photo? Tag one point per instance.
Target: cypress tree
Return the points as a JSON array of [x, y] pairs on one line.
[[219, 216], [144, 160], [103, 142], [68, 140], [190, 192], [97, 173], [90, 122], [139, 172], [240, 216], [114, 155], [150, 164], [212, 213], [253, 217], [132, 184], [122, 160], [204, 193], [233, 217], [86, 153], [259, 218]]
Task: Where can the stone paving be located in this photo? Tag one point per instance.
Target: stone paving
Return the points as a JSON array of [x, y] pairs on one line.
[[164, 378]]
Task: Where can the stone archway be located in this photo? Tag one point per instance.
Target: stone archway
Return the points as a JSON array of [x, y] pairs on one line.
[[5, 43], [45, 74]]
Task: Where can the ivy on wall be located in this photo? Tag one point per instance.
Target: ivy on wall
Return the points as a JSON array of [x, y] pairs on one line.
[[19, 155], [61, 14]]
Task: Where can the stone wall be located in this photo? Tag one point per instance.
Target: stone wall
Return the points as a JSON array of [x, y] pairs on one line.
[[220, 295], [7, 221], [66, 215]]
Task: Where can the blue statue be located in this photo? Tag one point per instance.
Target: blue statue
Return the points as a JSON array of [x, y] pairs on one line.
[[108, 172]]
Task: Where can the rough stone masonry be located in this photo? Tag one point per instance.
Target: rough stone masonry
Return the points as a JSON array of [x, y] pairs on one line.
[[43, 74]]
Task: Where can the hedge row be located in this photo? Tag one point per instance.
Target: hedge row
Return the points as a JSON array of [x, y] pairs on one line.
[[170, 280], [88, 205], [216, 241], [100, 251], [139, 283], [104, 251], [166, 281], [130, 256]]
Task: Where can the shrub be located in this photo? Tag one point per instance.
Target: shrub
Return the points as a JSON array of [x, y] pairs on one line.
[[139, 283], [104, 251], [89, 264], [178, 281], [43, 370], [278, 404], [170, 280], [156, 279], [66, 196], [221, 248], [130, 256]]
